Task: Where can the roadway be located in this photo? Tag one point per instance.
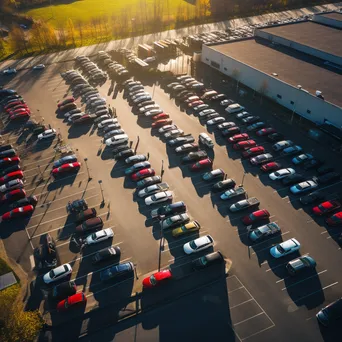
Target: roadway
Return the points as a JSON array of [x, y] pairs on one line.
[[255, 277]]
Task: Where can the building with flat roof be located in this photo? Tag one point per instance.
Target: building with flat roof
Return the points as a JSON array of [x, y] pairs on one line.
[[286, 65], [333, 19]]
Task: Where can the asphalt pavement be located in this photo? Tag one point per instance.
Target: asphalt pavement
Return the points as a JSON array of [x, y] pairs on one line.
[[258, 300]]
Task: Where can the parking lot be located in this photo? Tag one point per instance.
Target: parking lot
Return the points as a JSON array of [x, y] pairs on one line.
[[256, 277]]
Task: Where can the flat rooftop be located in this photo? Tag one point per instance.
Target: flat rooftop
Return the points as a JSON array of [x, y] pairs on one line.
[[291, 66], [317, 36], [335, 16]]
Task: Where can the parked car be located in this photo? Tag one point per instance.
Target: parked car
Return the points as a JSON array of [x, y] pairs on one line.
[[302, 158], [26, 201], [8, 153], [57, 273], [292, 150], [174, 221], [228, 132], [226, 125], [157, 278], [326, 207], [137, 167], [152, 189], [170, 209], [13, 195], [49, 133], [99, 236], [244, 145], [105, 254], [148, 181], [312, 197], [223, 185], [116, 271], [18, 213], [64, 290], [331, 314], [85, 215], [95, 223], [66, 168], [264, 231], [280, 145], [213, 175], [231, 193], [142, 174], [208, 260], [194, 156], [159, 197], [11, 185], [335, 220], [261, 159], [293, 179], [285, 248], [11, 176], [282, 173], [255, 126], [303, 187], [272, 166], [234, 108], [300, 264], [244, 204], [198, 244], [65, 160], [75, 300], [238, 137], [265, 131], [201, 164], [255, 216], [186, 148], [186, 229]]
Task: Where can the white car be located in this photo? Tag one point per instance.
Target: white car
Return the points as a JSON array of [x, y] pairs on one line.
[[74, 117], [225, 102], [206, 112], [303, 186], [198, 244], [98, 102], [159, 197], [234, 108], [137, 158], [175, 221], [282, 173], [49, 133], [201, 107], [173, 84], [12, 185], [280, 145], [285, 248], [140, 94], [153, 112], [107, 122], [57, 273], [9, 71], [215, 121], [174, 133], [152, 189], [147, 108], [167, 128], [102, 117], [226, 125], [73, 111], [142, 98], [242, 115], [39, 67], [99, 236]]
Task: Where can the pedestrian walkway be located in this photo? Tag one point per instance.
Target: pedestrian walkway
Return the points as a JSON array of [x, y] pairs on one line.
[[171, 34]]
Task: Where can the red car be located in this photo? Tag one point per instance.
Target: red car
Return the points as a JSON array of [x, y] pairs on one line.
[[20, 115], [160, 116], [160, 123], [13, 104], [244, 145], [238, 137], [334, 220], [142, 174], [10, 176], [18, 212], [265, 131], [65, 168], [156, 278], [201, 164], [71, 301], [65, 101], [254, 151], [270, 167], [9, 161], [19, 110], [326, 207], [195, 103], [258, 215], [13, 195], [18, 106]]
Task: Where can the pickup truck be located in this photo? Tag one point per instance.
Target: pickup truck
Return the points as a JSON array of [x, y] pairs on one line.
[[264, 231], [232, 193], [244, 204]]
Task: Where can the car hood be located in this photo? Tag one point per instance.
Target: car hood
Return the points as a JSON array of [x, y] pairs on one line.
[[274, 252], [46, 278], [187, 249]]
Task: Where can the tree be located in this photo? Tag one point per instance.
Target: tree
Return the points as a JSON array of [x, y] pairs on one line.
[[71, 31], [18, 40], [79, 26], [17, 324]]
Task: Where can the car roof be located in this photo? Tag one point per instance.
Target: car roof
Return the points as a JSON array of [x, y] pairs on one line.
[[289, 244]]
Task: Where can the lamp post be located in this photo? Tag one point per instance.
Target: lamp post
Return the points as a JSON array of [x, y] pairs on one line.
[[162, 170], [100, 182], [41, 175], [89, 178], [243, 178]]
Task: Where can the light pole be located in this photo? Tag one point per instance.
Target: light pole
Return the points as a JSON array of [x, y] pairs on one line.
[[41, 175], [162, 170], [243, 178], [100, 182], [89, 178]]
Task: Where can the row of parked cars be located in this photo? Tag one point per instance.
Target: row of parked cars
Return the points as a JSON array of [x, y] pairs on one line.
[[14, 106], [114, 69]]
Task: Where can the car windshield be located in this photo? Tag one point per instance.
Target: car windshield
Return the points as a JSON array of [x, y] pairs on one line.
[[203, 260], [252, 216], [52, 274], [193, 245], [153, 280], [280, 249]]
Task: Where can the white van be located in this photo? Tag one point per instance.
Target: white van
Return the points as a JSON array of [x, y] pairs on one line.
[[205, 140], [117, 140], [234, 108], [209, 94]]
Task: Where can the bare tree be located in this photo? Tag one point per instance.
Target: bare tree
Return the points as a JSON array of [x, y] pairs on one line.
[[18, 40], [71, 31], [79, 26]]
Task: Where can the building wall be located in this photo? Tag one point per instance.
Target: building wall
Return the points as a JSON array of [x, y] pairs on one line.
[[303, 103], [299, 47], [327, 21]]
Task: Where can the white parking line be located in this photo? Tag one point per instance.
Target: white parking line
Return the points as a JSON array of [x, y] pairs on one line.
[[312, 293], [301, 281], [237, 289], [271, 269], [38, 161], [247, 319], [268, 247], [246, 301], [258, 332]]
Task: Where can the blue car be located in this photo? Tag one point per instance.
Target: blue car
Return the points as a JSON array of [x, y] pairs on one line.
[[116, 271], [65, 160]]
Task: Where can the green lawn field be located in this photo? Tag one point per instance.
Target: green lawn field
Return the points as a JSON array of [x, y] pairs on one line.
[[84, 10]]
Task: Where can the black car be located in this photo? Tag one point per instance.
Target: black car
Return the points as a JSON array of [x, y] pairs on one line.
[[219, 97], [275, 137], [124, 154], [223, 185], [85, 215], [10, 169], [181, 140], [194, 156], [8, 153], [5, 148], [331, 314], [148, 181], [325, 169], [146, 103], [329, 177], [31, 200], [250, 120], [312, 197], [293, 179], [228, 132], [46, 254], [109, 253], [91, 224], [120, 148], [208, 260], [313, 164], [64, 290]]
